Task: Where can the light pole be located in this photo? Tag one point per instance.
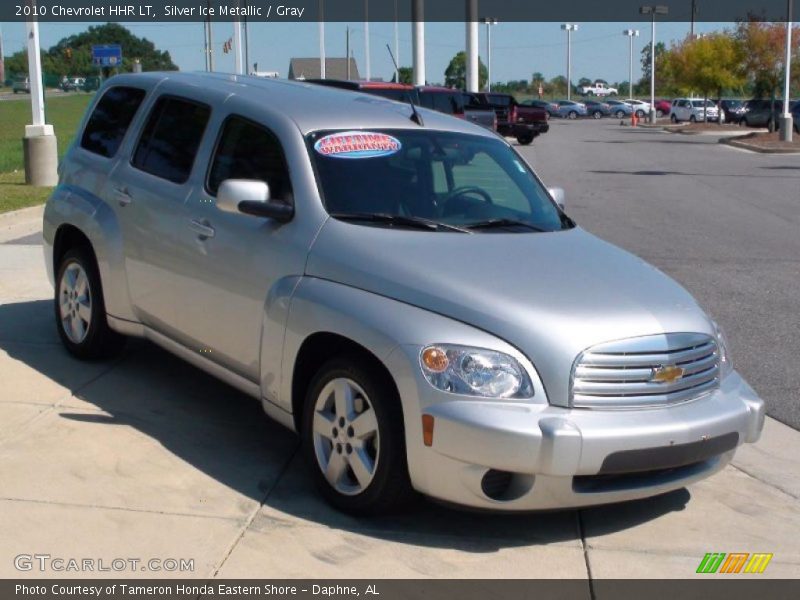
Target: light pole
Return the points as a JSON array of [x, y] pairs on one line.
[[653, 11], [322, 39], [366, 41], [786, 117], [489, 22], [569, 28], [631, 33]]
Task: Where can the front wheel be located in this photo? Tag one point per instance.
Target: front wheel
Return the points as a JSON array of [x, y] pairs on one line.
[[524, 140], [639, 114], [619, 114], [573, 114], [353, 438], [80, 308], [673, 118], [597, 114]]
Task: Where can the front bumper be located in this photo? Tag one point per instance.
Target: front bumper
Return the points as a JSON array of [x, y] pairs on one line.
[[526, 456]]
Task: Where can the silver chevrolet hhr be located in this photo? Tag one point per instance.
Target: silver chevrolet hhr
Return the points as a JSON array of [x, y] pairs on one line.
[[394, 284]]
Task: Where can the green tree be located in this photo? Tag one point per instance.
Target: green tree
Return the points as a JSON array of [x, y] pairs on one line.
[[72, 56], [584, 81], [455, 75], [406, 74], [661, 48], [558, 86], [706, 65]]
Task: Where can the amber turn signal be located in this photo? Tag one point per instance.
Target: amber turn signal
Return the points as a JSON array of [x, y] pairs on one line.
[[435, 359], [427, 430]]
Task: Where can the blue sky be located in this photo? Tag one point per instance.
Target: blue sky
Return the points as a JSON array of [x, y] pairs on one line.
[[599, 49]]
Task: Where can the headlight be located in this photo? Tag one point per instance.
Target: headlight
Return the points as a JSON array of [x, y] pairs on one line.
[[475, 372], [725, 364]]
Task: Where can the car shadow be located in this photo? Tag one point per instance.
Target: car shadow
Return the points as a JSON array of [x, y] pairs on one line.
[[225, 435], [656, 172]]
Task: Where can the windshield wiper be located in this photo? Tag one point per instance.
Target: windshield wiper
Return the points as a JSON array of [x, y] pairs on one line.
[[500, 223], [405, 221]]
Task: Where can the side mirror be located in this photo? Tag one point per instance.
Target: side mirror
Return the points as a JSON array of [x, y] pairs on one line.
[[557, 194], [251, 197]]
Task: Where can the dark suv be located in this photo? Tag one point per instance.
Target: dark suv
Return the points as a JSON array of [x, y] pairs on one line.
[[763, 113], [401, 92]]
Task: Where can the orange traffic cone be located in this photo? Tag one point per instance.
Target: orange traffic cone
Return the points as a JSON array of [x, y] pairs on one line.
[[634, 119]]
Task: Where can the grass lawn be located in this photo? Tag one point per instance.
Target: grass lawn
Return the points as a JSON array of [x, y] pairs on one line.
[[15, 194], [64, 113]]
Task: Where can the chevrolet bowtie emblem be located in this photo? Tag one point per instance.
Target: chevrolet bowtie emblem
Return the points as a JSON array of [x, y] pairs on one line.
[[667, 374]]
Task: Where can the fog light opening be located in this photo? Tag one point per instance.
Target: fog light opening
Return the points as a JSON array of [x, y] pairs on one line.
[[504, 486]]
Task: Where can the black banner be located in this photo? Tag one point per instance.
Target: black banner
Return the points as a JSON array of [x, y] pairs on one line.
[[715, 587], [388, 10]]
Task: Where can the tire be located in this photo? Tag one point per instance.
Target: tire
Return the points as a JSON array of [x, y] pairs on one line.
[[620, 114], [771, 126], [525, 140], [597, 114], [639, 114], [743, 122], [80, 309], [659, 113], [692, 119], [572, 114], [673, 118], [379, 483]]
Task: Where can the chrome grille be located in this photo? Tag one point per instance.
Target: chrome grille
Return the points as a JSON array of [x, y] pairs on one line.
[[625, 373]]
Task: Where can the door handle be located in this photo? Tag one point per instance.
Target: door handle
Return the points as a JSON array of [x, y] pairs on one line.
[[123, 196], [202, 229]]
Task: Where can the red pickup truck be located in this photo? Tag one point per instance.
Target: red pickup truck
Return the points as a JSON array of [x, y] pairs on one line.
[[514, 119]]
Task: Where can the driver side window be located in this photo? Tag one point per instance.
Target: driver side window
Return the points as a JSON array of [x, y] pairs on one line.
[[483, 172]]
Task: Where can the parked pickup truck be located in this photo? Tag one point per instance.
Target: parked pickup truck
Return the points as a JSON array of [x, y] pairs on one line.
[[598, 88], [515, 119]]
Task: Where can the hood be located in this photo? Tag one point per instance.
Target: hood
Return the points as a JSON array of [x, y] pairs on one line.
[[551, 295]]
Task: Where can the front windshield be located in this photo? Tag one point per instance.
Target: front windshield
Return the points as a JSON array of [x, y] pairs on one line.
[[699, 103], [445, 177]]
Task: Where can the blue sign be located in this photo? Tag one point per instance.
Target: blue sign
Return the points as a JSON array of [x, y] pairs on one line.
[[107, 55]]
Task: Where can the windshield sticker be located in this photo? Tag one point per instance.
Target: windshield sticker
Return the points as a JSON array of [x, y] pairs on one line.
[[357, 144]]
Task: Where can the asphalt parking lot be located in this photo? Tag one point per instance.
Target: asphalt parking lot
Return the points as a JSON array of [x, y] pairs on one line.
[[148, 457]]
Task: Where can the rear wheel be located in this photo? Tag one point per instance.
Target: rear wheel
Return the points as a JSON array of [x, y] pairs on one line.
[[619, 114], [597, 114], [659, 113], [692, 119], [524, 139], [572, 114], [353, 438], [639, 114], [771, 126], [673, 118], [80, 309]]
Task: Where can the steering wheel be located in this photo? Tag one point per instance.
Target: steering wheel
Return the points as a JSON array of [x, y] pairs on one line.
[[451, 206]]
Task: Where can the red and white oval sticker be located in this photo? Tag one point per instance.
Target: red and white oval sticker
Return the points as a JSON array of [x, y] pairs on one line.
[[357, 144]]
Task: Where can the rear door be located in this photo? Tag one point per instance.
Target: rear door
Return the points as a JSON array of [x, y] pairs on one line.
[[151, 189]]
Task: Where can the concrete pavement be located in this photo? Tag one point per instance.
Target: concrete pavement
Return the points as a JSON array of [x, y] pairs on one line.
[[147, 457]]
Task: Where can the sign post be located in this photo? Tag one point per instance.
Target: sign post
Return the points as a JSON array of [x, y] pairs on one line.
[[40, 147]]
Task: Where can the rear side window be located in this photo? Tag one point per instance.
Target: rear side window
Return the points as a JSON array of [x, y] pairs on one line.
[[171, 137], [110, 120], [248, 151], [443, 102]]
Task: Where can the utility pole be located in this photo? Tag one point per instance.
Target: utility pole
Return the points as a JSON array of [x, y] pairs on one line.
[[322, 39], [2, 59], [473, 78], [366, 41], [418, 41], [569, 28], [787, 122], [631, 33], [396, 46], [40, 146], [210, 40], [347, 50], [653, 11], [489, 22]]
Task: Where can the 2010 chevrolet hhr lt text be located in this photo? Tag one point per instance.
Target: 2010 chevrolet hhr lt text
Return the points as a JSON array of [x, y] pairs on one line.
[[394, 284]]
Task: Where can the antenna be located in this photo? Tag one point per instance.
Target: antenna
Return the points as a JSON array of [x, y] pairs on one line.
[[394, 62]]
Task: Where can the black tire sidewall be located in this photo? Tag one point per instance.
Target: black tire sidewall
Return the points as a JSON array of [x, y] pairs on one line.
[[99, 338], [390, 487]]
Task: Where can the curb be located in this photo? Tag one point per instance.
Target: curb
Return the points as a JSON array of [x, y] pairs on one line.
[[19, 223], [739, 142]]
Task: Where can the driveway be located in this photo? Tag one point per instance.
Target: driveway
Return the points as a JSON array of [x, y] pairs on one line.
[[147, 457]]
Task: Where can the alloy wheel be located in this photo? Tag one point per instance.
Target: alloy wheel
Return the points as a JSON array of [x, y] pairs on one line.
[[75, 302], [346, 436]]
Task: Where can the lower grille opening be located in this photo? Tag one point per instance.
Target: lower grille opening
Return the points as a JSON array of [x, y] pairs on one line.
[[505, 486], [614, 482]]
